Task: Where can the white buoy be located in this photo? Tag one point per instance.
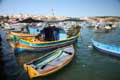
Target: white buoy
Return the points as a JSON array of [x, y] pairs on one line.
[[90, 46], [84, 65]]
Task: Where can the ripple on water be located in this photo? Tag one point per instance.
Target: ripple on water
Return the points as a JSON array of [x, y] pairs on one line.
[[88, 63]]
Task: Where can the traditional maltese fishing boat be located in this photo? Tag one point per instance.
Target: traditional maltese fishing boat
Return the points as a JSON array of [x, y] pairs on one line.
[[109, 49], [33, 44], [50, 37], [50, 62]]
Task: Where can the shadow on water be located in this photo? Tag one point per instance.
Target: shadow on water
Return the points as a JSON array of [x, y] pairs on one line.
[[11, 69], [2, 73]]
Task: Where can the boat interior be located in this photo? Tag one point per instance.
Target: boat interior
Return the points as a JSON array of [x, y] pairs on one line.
[[52, 60]]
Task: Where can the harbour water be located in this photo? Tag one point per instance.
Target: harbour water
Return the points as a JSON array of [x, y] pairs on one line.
[[88, 63]]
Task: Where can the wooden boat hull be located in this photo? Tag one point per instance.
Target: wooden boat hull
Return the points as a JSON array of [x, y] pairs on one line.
[[42, 43], [18, 47], [33, 72], [33, 44], [109, 49]]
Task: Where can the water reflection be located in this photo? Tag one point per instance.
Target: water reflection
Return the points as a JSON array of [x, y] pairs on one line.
[[2, 74], [88, 63]]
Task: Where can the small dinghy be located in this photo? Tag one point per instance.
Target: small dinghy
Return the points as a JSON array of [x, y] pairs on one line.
[[109, 49], [50, 62]]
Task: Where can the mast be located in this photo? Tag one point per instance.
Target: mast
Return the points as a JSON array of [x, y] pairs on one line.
[[52, 12]]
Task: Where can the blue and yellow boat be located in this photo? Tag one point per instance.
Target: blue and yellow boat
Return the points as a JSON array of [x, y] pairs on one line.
[[34, 44], [58, 37]]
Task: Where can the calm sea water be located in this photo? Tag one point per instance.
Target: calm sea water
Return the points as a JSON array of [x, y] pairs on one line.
[[88, 63]]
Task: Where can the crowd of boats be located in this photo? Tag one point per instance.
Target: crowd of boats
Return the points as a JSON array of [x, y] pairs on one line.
[[53, 36]]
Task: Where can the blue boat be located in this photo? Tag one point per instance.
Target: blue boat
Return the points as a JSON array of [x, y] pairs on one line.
[[105, 48]]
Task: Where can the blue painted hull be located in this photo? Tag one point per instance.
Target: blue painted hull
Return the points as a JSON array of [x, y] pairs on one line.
[[109, 49], [48, 43], [19, 50], [108, 52]]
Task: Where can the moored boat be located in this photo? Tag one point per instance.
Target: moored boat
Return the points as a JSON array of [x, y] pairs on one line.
[[33, 42], [50, 62], [28, 43], [49, 36], [25, 32], [105, 48]]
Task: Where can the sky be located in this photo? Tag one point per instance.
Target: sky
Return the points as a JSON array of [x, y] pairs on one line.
[[71, 8]]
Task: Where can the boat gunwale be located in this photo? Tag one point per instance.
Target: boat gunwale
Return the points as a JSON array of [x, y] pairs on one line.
[[52, 41], [47, 54], [19, 34]]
